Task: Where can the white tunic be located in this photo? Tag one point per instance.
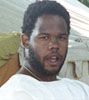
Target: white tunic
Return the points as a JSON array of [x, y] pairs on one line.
[[23, 87]]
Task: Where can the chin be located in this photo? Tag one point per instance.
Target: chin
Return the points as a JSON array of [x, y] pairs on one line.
[[52, 71]]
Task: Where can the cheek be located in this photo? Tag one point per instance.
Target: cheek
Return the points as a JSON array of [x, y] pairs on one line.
[[64, 45], [41, 50], [64, 52], [63, 48], [40, 46]]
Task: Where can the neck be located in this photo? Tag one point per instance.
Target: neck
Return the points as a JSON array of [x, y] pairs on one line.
[[31, 73], [27, 71]]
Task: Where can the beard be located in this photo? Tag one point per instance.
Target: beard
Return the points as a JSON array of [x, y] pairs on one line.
[[35, 62]]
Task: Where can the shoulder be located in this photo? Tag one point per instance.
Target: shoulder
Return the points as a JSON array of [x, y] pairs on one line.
[[72, 82], [13, 89], [77, 86], [75, 83], [19, 81]]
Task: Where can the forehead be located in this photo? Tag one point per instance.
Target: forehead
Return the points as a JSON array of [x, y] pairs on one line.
[[49, 24], [52, 22]]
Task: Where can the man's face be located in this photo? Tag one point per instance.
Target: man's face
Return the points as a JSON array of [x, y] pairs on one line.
[[48, 44]]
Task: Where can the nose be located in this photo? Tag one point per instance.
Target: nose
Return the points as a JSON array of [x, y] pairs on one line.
[[53, 44]]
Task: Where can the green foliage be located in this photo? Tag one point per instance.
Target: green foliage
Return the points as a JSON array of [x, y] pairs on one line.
[[85, 2], [9, 44]]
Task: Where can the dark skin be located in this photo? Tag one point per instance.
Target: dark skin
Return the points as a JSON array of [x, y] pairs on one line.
[[49, 40]]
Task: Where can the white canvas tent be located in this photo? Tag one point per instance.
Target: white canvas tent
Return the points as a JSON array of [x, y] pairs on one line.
[[79, 17], [11, 14]]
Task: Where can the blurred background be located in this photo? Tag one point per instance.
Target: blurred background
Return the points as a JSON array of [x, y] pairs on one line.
[[11, 14], [85, 2]]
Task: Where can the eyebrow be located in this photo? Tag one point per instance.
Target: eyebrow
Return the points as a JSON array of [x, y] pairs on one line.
[[49, 34], [43, 34], [64, 33]]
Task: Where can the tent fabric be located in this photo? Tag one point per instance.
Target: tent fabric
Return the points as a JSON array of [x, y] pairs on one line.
[[79, 17], [11, 14], [9, 44]]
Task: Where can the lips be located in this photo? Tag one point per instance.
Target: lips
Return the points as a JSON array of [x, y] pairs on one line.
[[54, 59]]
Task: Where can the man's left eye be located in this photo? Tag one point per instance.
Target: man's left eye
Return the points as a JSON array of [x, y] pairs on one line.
[[62, 38]]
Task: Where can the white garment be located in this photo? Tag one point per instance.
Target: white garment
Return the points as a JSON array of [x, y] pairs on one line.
[[23, 87]]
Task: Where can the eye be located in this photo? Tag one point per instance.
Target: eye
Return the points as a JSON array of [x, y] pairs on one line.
[[44, 37], [62, 38]]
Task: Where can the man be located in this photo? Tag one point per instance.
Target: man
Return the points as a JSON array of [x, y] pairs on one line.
[[46, 29]]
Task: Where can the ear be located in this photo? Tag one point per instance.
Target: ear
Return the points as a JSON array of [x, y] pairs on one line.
[[25, 40]]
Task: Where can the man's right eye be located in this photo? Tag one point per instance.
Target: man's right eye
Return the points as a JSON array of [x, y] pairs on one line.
[[44, 37]]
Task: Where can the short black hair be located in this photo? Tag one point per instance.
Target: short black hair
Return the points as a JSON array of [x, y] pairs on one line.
[[40, 8]]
